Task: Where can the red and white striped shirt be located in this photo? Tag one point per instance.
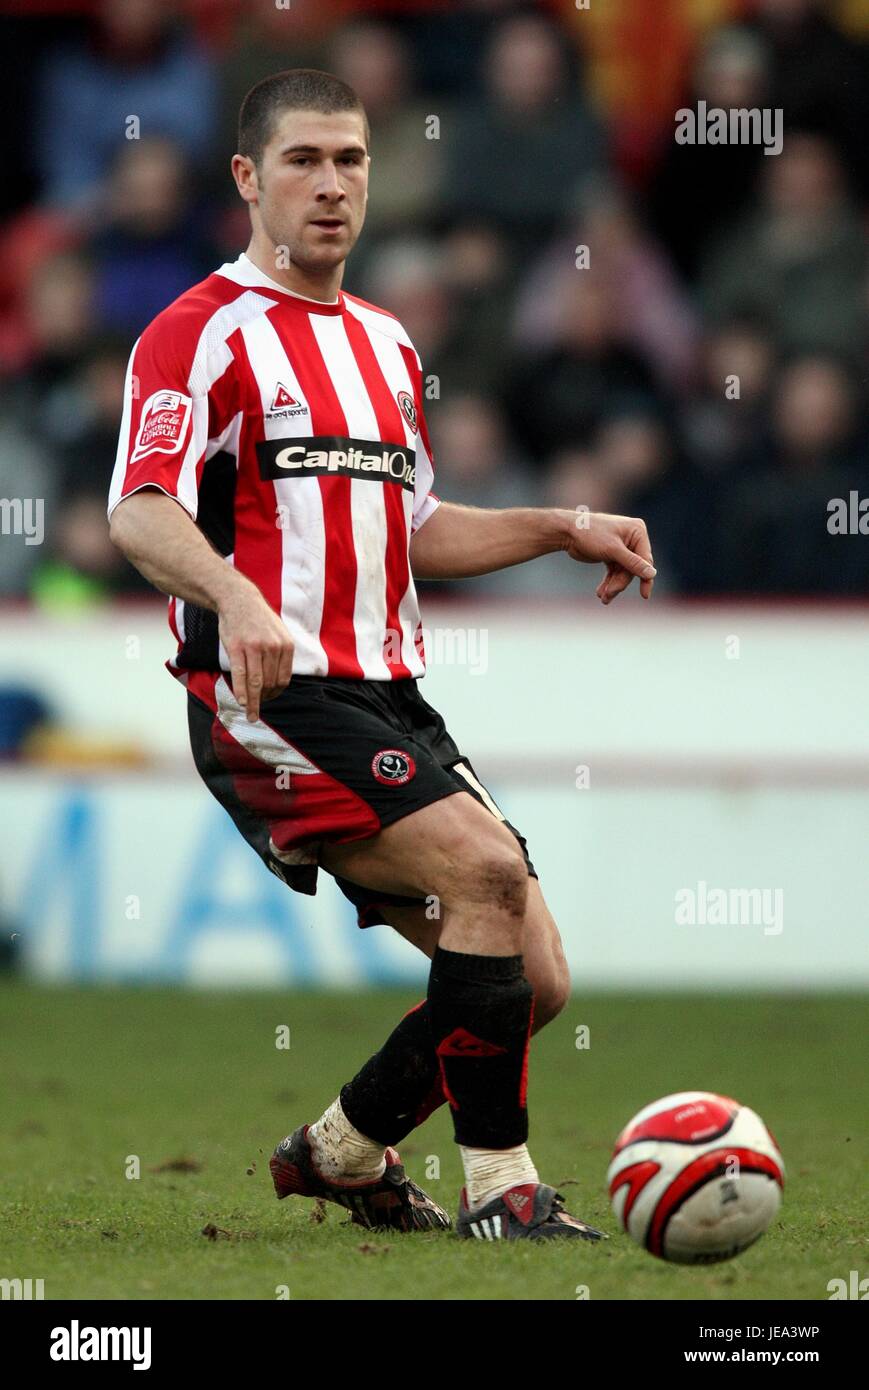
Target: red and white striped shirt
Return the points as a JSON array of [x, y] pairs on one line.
[[293, 432]]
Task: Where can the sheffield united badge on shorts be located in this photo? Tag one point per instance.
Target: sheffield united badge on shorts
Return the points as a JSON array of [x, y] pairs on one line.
[[393, 767]]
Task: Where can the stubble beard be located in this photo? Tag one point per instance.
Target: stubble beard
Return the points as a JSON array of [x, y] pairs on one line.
[[292, 249]]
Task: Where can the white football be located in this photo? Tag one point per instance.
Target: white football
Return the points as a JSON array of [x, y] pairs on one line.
[[695, 1178]]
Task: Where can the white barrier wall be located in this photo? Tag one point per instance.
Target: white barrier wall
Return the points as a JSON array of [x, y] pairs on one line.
[[664, 681], [693, 783]]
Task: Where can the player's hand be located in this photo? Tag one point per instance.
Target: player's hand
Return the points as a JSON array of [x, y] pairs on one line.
[[621, 543], [259, 648]]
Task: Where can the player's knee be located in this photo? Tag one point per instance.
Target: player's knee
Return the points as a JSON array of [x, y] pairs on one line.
[[495, 874]]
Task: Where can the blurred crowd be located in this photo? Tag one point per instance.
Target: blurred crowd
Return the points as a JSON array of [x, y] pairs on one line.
[[606, 318]]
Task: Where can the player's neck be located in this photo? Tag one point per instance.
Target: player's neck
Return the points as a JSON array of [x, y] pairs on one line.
[[267, 259]]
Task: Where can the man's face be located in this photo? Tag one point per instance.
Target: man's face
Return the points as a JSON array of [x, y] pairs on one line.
[[311, 186]]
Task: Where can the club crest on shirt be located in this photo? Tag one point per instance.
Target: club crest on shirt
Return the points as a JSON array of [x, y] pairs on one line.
[[408, 409], [163, 424], [393, 767]]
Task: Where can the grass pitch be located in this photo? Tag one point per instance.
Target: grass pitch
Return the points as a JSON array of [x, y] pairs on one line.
[[193, 1085]]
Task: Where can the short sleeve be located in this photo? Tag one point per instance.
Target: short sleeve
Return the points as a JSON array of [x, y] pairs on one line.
[[425, 502], [164, 427]]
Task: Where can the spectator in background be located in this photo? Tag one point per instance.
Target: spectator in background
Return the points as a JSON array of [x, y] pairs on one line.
[[450, 40], [266, 37], [405, 165], [58, 437], [85, 456], [478, 273], [69, 458], [152, 246], [26, 244], [555, 398], [544, 382], [770, 533], [728, 411], [637, 454], [140, 61], [61, 325], [79, 566], [699, 191], [652, 312], [577, 481], [819, 77], [638, 54], [532, 119], [454, 327], [477, 464], [406, 277], [798, 260]]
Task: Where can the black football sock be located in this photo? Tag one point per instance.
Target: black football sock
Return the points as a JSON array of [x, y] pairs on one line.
[[400, 1085], [481, 1011]]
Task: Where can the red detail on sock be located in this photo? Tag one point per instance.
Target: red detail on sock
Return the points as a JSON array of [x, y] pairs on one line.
[[435, 1098], [461, 1043], [414, 1009], [454, 1104], [523, 1080], [520, 1200]]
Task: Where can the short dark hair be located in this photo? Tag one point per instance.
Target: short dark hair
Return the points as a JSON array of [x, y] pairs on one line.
[[296, 89]]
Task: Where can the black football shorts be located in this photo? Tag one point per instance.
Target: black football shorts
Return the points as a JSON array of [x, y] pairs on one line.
[[329, 760]]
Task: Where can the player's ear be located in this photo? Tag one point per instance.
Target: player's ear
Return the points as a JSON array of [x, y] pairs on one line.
[[246, 179]]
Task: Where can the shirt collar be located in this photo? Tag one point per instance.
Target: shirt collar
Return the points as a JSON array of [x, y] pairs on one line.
[[244, 272]]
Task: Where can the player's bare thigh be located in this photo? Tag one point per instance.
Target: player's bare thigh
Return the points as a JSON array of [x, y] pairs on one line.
[[457, 851], [426, 848]]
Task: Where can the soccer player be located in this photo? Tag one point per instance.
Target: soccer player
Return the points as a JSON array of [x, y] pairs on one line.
[[274, 477]]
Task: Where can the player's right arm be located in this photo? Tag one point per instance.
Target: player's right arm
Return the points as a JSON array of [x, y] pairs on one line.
[[180, 397], [168, 548]]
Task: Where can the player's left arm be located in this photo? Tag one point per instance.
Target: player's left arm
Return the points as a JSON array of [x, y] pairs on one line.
[[458, 542]]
